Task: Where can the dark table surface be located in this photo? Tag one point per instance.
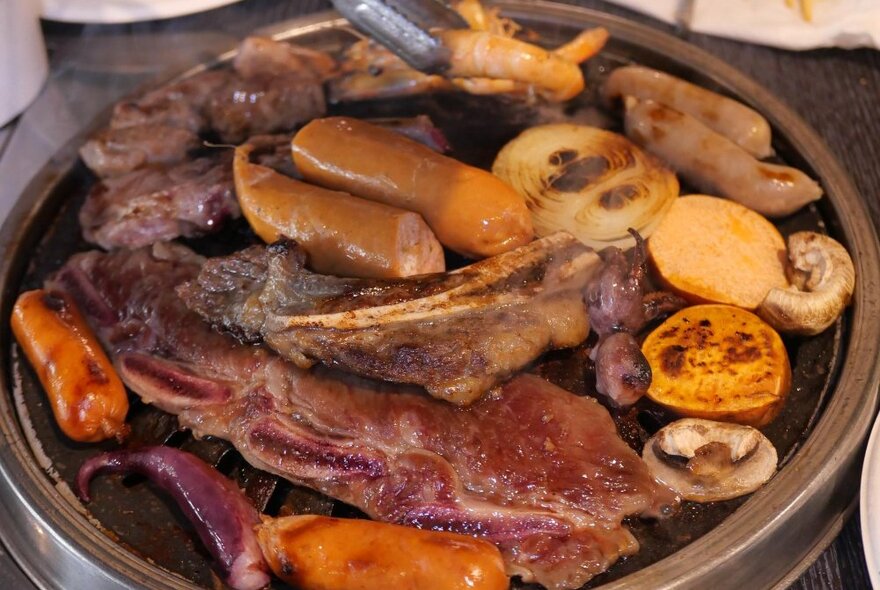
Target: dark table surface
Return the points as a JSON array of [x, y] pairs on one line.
[[836, 91]]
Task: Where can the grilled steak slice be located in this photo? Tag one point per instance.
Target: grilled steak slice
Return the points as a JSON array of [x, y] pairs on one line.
[[276, 87], [153, 204], [263, 103], [456, 334], [534, 469], [114, 152], [176, 105], [272, 87]]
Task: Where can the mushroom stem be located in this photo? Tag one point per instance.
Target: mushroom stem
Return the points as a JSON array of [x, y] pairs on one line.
[[823, 279]]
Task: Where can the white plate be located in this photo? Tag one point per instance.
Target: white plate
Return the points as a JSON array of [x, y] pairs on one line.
[[869, 501], [124, 11]]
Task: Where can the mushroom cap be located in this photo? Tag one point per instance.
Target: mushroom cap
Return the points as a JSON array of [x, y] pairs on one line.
[[708, 461], [823, 280]]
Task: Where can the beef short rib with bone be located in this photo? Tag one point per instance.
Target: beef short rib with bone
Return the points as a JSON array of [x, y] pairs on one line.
[[457, 334]]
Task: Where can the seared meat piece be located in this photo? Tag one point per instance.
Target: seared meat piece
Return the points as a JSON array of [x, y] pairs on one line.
[[260, 55], [274, 87], [114, 152], [176, 105], [154, 204], [277, 86], [263, 103], [457, 334], [534, 469]]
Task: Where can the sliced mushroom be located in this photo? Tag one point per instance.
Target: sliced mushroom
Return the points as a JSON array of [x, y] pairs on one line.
[[706, 461], [823, 279]]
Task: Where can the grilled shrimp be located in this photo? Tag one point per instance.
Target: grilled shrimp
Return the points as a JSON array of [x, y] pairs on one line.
[[479, 54]]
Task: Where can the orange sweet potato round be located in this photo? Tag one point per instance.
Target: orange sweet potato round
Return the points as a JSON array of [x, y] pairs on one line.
[[712, 250], [718, 362]]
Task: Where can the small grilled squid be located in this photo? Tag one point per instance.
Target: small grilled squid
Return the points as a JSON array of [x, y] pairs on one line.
[[222, 516], [619, 307], [715, 164], [732, 119], [622, 373]]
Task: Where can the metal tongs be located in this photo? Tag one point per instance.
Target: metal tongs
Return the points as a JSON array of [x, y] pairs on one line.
[[404, 27]]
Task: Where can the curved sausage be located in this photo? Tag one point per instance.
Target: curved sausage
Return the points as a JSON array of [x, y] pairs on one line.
[[716, 165], [470, 210], [343, 235], [732, 119], [87, 397], [323, 553]]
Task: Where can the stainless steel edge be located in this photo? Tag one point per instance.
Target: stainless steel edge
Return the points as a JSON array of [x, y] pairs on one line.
[[52, 542], [782, 524]]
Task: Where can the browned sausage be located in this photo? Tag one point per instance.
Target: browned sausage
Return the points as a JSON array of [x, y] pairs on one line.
[[472, 211], [322, 553], [343, 235], [732, 119], [86, 395], [714, 164]]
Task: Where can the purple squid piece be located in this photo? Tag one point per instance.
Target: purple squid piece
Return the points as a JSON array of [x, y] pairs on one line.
[[621, 305], [222, 516], [622, 372], [615, 297]]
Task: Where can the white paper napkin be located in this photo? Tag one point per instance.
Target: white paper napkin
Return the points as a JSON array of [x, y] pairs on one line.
[[835, 23], [123, 11]]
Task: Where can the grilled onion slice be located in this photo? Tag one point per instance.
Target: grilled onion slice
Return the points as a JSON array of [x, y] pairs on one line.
[[587, 181]]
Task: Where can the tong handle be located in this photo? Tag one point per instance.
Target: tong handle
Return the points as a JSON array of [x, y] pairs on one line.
[[404, 26]]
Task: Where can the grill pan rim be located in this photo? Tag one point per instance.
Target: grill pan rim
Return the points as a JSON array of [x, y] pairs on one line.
[[805, 501]]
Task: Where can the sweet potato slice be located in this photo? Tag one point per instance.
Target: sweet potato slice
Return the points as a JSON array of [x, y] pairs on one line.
[[718, 362], [712, 250]]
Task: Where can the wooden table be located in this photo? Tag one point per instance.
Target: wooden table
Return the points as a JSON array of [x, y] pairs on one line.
[[836, 91]]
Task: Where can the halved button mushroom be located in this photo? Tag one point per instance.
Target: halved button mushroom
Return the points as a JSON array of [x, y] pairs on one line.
[[823, 279], [707, 461]]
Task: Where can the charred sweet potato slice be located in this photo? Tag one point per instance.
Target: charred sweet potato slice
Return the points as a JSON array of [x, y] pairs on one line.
[[718, 362]]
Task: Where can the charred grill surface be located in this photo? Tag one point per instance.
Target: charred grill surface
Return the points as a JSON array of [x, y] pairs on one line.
[[456, 334], [538, 471], [477, 128]]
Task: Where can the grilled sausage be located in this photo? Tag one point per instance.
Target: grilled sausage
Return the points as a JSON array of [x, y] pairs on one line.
[[322, 553], [734, 120], [343, 235], [87, 397], [716, 165], [470, 210]]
